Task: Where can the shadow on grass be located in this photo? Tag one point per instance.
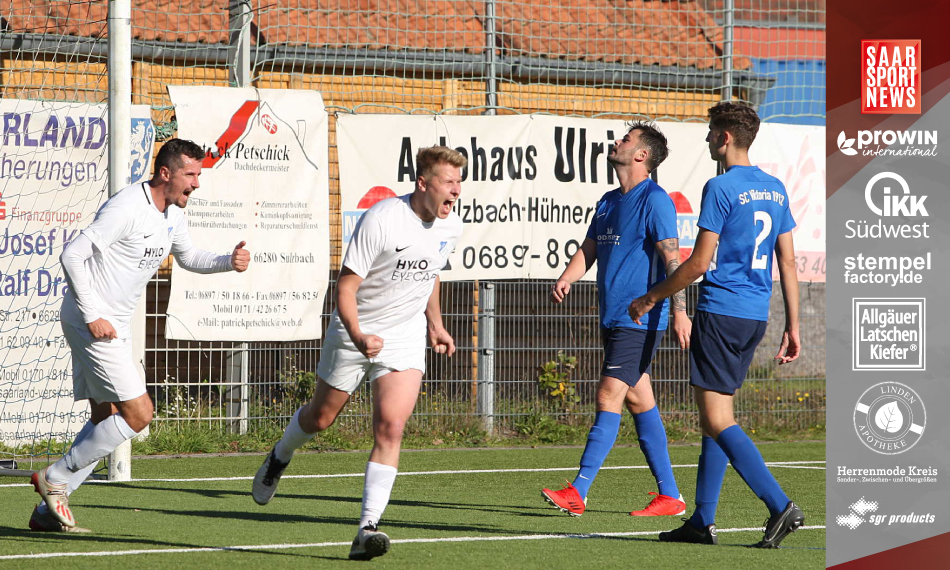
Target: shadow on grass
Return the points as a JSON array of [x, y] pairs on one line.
[[522, 511], [284, 518]]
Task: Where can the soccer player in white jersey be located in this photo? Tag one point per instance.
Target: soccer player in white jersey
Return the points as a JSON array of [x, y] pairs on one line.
[[107, 267], [387, 303]]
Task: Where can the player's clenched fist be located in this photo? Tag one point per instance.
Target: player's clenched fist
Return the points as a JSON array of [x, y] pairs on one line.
[[240, 257], [441, 341], [560, 290], [369, 344], [102, 329]]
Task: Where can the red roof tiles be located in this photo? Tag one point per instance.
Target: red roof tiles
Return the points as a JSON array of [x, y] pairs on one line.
[[665, 33]]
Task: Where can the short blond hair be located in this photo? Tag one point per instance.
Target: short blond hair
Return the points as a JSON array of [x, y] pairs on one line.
[[428, 157]]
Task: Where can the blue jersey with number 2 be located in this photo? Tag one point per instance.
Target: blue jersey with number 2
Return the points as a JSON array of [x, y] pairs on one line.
[[749, 210], [626, 228]]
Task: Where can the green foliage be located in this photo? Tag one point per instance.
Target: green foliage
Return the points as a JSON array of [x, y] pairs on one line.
[[300, 384], [542, 427], [555, 378]]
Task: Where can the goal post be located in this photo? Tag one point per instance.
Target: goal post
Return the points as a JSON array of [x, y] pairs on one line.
[[120, 151]]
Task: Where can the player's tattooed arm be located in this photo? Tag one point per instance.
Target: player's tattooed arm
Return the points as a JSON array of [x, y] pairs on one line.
[[670, 249]]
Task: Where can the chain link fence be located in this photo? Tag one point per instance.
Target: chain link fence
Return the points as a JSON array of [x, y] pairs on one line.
[[660, 60]]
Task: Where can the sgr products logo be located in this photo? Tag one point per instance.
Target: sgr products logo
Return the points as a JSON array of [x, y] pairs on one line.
[[891, 76], [893, 204], [889, 418], [889, 143], [889, 334], [865, 511]]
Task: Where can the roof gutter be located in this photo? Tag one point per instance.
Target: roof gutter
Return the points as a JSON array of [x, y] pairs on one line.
[[322, 60]]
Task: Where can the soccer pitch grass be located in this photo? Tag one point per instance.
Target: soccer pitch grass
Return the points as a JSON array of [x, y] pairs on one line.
[[459, 509]]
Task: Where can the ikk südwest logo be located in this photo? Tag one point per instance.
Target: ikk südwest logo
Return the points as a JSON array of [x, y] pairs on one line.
[[891, 77]]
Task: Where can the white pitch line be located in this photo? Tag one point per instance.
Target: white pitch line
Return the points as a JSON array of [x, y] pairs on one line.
[[341, 544], [789, 464]]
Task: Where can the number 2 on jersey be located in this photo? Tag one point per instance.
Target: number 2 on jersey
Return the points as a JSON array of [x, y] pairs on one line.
[[761, 262]]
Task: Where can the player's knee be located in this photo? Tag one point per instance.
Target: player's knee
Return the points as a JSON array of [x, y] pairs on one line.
[[390, 432], [321, 422], [714, 426]]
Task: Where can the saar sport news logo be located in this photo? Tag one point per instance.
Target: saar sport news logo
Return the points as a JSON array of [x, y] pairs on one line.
[[865, 511], [890, 78]]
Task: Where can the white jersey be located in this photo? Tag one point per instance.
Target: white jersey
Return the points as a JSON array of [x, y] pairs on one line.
[[399, 257], [131, 239]]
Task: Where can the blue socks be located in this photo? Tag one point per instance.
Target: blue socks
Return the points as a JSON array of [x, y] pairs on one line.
[[652, 436], [601, 438], [748, 462], [712, 469]]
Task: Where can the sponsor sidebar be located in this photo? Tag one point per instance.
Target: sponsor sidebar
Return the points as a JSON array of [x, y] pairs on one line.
[[888, 365]]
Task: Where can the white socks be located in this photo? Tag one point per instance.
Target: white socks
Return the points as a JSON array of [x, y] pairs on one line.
[[377, 487], [294, 438], [102, 441]]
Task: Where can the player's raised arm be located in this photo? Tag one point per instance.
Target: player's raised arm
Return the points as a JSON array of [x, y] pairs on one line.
[[791, 342], [692, 269], [580, 264]]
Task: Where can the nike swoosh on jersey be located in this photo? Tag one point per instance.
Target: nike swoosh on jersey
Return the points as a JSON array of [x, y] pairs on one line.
[[148, 236], [398, 249]]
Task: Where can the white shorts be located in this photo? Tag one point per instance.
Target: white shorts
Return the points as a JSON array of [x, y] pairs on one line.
[[344, 367], [103, 370]]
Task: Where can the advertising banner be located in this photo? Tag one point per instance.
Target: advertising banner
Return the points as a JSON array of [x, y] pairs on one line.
[[533, 181], [53, 178], [265, 182], [888, 442]]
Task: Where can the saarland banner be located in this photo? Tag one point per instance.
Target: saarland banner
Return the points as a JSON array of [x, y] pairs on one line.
[[54, 173]]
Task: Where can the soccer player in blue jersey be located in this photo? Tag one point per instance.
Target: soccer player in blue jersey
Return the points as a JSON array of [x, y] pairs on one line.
[[634, 240], [745, 216]]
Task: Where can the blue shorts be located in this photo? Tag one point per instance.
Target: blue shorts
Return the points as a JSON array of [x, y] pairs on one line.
[[628, 353], [721, 349]]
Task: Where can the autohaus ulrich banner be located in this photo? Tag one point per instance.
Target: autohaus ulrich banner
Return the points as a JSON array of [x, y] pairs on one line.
[[533, 181]]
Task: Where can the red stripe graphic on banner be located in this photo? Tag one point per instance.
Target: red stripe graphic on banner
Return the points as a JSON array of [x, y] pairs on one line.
[[235, 129]]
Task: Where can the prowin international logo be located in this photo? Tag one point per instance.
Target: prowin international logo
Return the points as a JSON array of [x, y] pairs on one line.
[[889, 143], [865, 511]]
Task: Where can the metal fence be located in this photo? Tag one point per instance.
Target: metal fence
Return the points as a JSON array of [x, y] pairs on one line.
[[592, 58], [505, 332]]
